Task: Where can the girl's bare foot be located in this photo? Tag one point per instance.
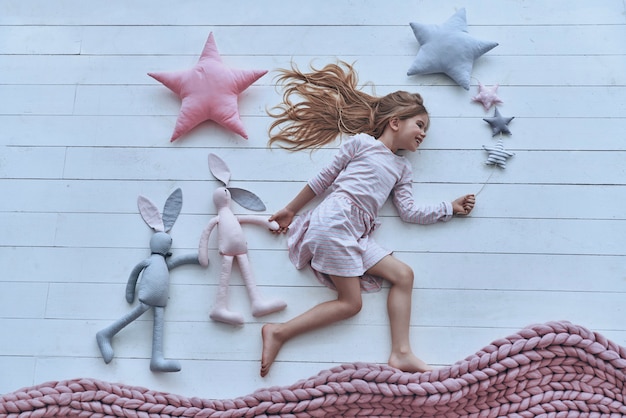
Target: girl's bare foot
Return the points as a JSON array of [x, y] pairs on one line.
[[271, 347], [408, 362]]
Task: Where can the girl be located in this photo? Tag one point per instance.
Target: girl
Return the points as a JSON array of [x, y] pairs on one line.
[[335, 237]]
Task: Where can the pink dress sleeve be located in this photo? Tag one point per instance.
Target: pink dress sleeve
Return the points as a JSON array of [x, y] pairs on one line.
[[409, 211], [325, 178]]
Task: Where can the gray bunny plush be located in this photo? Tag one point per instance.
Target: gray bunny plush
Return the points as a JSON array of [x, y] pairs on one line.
[[153, 288]]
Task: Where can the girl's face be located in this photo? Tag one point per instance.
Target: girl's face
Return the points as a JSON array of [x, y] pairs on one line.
[[411, 132]]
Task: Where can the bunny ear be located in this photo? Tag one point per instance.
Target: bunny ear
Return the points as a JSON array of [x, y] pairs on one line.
[[150, 213], [219, 169], [246, 199], [172, 208]]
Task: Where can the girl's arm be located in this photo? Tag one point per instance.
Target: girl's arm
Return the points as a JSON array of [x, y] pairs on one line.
[[410, 211], [305, 196], [426, 214], [284, 217], [464, 204], [317, 185]]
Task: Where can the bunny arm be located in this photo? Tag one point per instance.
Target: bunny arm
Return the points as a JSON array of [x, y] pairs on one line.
[[257, 220], [203, 247], [132, 279], [180, 260]]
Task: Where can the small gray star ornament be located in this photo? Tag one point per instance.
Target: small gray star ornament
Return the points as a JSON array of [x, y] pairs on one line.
[[448, 48], [497, 154], [499, 124]]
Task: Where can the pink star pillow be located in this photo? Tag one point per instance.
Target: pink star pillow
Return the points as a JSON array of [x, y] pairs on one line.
[[487, 96], [209, 91]]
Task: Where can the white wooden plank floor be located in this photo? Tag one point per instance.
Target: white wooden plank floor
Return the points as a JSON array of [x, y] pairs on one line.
[[85, 131]]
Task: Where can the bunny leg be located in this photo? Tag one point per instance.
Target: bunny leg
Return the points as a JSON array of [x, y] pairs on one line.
[[158, 362], [105, 336], [260, 305], [220, 312]]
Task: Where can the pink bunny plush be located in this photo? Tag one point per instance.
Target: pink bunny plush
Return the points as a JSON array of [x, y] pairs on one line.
[[232, 245]]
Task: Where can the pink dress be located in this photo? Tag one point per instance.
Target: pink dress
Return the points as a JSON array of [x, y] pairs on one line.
[[335, 237]]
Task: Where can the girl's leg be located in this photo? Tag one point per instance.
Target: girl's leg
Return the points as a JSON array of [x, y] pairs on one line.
[[400, 276], [347, 304]]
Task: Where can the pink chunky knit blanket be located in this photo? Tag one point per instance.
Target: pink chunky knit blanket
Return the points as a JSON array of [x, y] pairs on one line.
[[555, 369]]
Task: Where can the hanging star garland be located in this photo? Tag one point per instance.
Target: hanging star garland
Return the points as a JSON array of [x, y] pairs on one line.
[[209, 91], [499, 124], [487, 96]]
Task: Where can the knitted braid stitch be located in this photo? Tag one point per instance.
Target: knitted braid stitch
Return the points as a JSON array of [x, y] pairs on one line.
[[555, 370]]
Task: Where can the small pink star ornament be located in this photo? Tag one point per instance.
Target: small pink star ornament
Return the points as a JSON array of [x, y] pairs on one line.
[[487, 96], [209, 91]]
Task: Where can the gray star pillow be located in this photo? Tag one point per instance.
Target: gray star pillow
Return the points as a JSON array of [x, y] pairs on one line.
[[448, 48]]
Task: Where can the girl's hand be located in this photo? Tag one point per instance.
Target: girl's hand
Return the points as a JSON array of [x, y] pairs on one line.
[[464, 204], [283, 217]]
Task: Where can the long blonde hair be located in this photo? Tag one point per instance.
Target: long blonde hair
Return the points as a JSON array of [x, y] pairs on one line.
[[320, 105]]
